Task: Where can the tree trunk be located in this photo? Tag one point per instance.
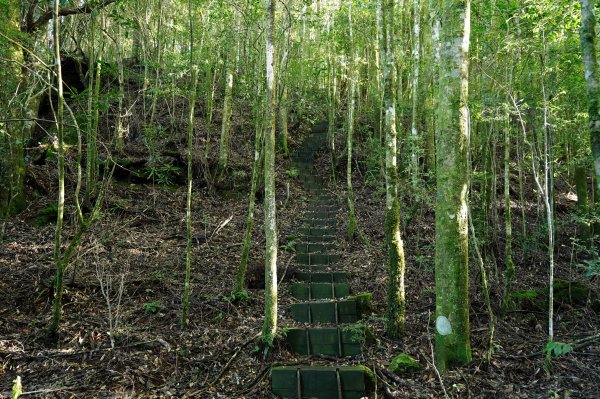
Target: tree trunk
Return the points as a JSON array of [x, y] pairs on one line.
[[188, 202], [12, 166], [270, 324], [227, 107], [508, 260], [256, 171], [415, 92], [590, 63], [58, 259], [351, 105], [397, 265], [451, 250]]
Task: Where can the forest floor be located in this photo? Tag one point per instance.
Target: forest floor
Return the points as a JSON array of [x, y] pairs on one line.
[[140, 236]]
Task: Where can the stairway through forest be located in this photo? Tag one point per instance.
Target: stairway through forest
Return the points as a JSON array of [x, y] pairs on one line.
[[325, 313]]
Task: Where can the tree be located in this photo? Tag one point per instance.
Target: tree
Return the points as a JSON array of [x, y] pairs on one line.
[[270, 324], [228, 105], [587, 36], [58, 259], [188, 202], [352, 76], [451, 211], [12, 167], [397, 265]]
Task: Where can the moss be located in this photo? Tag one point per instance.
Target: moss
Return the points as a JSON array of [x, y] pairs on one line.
[[404, 363], [363, 302], [570, 292], [564, 292], [46, 216]]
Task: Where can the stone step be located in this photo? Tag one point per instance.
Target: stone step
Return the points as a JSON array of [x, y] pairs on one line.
[[339, 342], [343, 311], [320, 382], [321, 276], [316, 258], [310, 291]]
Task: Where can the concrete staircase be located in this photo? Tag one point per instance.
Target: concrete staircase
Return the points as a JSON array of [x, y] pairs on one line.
[[325, 312]]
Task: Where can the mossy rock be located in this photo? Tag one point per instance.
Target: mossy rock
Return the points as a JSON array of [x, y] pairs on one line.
[[404, 363]]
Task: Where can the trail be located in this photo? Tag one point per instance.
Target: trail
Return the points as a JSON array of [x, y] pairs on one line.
[[325, 313]]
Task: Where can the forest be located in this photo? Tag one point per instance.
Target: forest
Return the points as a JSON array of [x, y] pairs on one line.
[[331, 199]]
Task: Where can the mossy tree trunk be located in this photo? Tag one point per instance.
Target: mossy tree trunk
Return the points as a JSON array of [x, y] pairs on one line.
[[396, 292], [270, 324], [451, 250], [590, 63]]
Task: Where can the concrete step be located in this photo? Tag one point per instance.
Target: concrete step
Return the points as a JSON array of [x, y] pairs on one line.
[[342, 311], [310, 291], [339, 342], [320, 382], [321, 276]]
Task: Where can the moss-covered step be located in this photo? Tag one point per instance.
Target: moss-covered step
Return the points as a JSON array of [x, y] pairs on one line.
[[320, 247], [321, 277], [316, 259], [338, 342], [344, 311], [306, 291], [347, 382]]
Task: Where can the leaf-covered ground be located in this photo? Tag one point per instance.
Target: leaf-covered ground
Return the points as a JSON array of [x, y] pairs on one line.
[[140, 236]]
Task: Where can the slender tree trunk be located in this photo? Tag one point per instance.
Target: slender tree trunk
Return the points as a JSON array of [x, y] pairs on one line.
[[415, 91], [270, 324], [58, 259], [590, 63], [508, 260], [397, 265], [227, 108], [158, 70], [451, 250], [351, 105], [188, 203], [12, 166], [256, 172], [226, 122], [120, 126], [434, 11]]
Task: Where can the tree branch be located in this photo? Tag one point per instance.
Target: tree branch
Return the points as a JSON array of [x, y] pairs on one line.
[[32, 26]]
